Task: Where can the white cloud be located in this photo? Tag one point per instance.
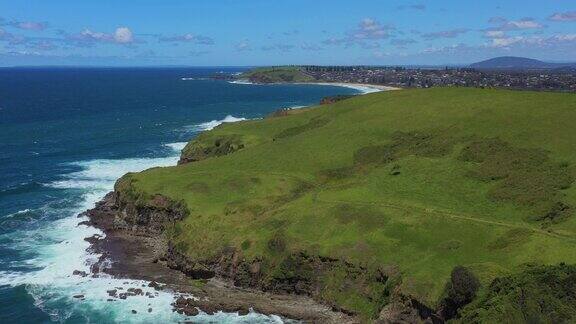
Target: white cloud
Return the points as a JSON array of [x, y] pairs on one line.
[[453, 33], [30, 25], [539, 41], [366, 34], [524, 24], [494, 34], [506, 42], [371, 29], [123, 35], [563, 16], [565, 38], [88, 35], [243, 46], [188, 38], [25, 25]]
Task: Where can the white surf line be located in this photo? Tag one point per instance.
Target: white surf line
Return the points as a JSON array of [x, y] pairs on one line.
[[59, 249]]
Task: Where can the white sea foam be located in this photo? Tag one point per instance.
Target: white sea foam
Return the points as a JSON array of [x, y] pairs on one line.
[[20, 212], [176, 147], [362, 89], [58, 248], [101, 174], [297, 107], [242, 82], [213, 123], [193, 79]]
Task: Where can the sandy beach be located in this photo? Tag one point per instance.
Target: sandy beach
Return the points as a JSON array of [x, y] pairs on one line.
[[365, 88]]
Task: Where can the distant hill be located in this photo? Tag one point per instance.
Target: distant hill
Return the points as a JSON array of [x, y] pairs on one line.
[[276, 74], [517, 63]]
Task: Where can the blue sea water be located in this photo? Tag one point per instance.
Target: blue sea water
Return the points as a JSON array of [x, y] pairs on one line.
[[66, 135]]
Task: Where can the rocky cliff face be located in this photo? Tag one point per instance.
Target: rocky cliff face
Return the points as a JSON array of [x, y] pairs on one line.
[[327, 280], [203, 148], [144, 214]]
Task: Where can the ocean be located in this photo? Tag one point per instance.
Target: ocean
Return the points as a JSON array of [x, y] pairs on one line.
[[66, 135]]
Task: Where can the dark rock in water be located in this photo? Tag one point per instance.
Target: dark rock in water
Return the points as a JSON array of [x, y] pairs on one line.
[[134, 292], [149, 310], [191, 312], [110, 299], [78, 296], [134, 311], [186, 306], [112, 293], [154, 285], [243, 312], [79, 273]]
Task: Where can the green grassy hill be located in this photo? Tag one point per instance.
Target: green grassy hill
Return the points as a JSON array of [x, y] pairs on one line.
[[415, 182], [277, 74]]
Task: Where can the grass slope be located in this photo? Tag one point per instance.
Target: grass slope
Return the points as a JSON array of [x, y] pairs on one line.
[[416, 180], [277, 74]]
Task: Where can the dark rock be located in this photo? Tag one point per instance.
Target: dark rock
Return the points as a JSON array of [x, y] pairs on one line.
[[187, 306], [243, 312], [154, 285], [134, 292], [78, 296], [222, 145], [332, 99], [178, 261], [112, 293], [79, 273], [134, 311]]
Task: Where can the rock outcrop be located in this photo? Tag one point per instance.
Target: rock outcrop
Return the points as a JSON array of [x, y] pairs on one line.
[[203, 148], [332, 99]]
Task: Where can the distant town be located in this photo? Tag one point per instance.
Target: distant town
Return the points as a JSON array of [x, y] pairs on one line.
[[546, 80], [505, 72]]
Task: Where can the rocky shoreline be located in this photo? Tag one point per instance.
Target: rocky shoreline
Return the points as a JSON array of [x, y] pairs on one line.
[[140, 252]]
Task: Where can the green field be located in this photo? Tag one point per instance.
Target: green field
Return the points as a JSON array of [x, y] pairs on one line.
[[277, 74], [417, 181]]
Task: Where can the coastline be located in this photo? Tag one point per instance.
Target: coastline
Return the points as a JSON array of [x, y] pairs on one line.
[[130, 253], [138, 255], [365, 88]]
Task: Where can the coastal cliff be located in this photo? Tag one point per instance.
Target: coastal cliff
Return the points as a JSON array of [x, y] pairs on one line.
[[394, 207], [295, 274]]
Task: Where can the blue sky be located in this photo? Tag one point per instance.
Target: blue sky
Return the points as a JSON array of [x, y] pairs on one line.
[[271, 32]]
